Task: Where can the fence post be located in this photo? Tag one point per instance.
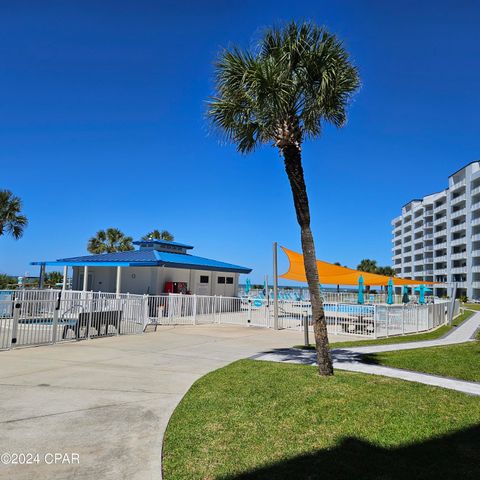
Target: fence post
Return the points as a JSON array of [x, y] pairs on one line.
[[305, 328], [55, 318], [16, 314], [194, 308], [387, 317], [249, 318], [416, 316], [375, 321], [337, 312], [146, 313], [403, 320], [90, 312]]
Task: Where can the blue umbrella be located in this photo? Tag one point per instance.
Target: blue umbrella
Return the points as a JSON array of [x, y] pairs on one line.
[[421, 289], [360, 290], [405, 298], [247, 286], [390, 292]]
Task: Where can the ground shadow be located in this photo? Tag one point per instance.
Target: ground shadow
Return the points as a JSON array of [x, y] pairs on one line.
[[454, 456], [307, 357]]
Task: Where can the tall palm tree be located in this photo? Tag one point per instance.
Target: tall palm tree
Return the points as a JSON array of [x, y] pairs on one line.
[[109, 241], [159, 235], [11, 219], [298, 79]]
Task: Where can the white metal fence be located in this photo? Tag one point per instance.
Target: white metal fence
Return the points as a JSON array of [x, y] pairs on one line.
[[342, 318], [35, 317]]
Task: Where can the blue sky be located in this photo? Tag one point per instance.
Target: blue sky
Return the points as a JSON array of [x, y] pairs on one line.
[[101, 124]]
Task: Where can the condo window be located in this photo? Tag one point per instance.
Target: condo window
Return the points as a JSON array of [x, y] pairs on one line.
[[230, 280], [203, 278], [221, 280]]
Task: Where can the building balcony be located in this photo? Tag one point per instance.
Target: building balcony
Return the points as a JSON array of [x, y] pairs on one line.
[[457, 270], [476, 237], [439, 221], [440, 271], [428, 224], [475, 221], [440, 208], [428, 236], [460, 284], [476, 284], [476, 268], [475, 206], [458, 213], [458, 241], [428, 248], [458, 199], [458, 256], [476, 252], [442, 258], [460, 227], [456, 186], [439, 246], [475, 190]]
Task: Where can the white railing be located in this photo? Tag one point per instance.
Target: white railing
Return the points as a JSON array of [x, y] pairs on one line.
[[35, 317]]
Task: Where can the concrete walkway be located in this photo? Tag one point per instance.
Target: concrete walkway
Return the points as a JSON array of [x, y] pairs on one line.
[[351, 359], [109, 400]]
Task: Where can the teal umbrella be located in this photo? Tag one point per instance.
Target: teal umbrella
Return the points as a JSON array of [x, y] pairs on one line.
[[390, 292], [247, 286], [421, 290], [360, 300], [405, 298]]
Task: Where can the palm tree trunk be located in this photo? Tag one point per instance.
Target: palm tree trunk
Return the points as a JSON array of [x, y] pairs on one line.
[[293, 167]]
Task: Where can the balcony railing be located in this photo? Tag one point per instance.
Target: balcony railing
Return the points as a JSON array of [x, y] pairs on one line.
[[442, 258], [458, 241], [440, 220], [458, 213], [439, 246], [456, 186], [457, 270], [458, 256], [460, 227], [475, 190], [476, 237], [476, 253], [455, 200], [475, 206], [476, 268], [476, 284]]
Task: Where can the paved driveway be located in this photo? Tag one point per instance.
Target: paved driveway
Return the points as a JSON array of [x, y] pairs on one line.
[[109, 400]]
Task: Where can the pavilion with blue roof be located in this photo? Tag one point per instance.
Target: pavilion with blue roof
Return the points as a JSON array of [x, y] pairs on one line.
[[158, 266]]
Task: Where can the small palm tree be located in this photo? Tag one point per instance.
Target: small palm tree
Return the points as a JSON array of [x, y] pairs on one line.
[[11, 219], [159, 235], [109, 241], [281, 94]]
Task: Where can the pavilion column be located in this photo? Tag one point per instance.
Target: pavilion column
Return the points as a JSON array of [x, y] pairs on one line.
[[119, 281], [65, 277], [85, 278]]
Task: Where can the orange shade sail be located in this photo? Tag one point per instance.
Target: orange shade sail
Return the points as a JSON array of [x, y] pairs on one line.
[[330, 274]]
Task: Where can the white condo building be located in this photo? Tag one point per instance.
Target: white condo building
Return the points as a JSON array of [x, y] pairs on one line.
[[437, 238]]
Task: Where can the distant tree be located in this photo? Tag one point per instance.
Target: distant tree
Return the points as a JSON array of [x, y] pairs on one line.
[[159, 235], [12, 221], [53, 278], [387, 271], [109, 241], [6, 280], [367, 265]]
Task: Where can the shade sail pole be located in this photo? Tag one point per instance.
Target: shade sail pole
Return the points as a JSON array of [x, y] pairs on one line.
[[275, 287]]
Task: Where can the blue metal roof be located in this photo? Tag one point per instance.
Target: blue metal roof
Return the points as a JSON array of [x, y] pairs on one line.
[[162, 242], [148, 257]]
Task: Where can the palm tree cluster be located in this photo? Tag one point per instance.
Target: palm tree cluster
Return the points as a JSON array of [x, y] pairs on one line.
[[371, 266], [114, 240], [109, 241], [12, 221], [283, 92], [159, 235]]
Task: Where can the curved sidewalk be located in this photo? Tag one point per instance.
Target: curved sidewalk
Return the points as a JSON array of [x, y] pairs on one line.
[[351, 359]]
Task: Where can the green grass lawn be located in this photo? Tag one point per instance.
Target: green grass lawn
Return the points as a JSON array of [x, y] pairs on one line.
[[416, 337], [471, 306], [264, 420], [459, 361]]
